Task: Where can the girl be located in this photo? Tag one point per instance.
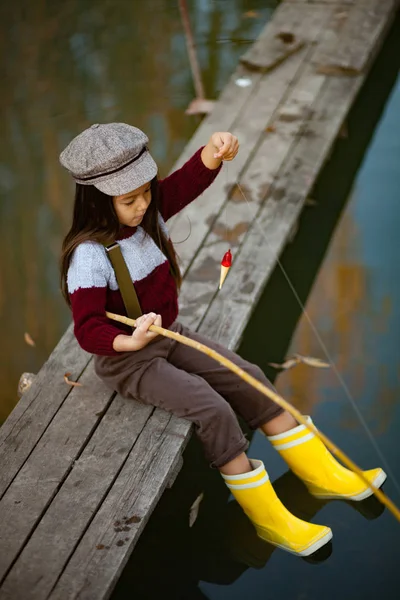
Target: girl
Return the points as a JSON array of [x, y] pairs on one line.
[[119, 199]]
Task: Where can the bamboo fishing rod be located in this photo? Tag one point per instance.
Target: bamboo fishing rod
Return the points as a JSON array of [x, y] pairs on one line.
[[274, 396]]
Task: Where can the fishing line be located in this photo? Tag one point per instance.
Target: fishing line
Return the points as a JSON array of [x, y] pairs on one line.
[[328, 356], [226, 206]]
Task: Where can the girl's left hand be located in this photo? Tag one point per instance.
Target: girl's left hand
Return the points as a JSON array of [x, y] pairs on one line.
[[226, 145]]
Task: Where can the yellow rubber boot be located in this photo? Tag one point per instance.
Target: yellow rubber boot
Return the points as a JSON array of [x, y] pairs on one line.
[[323, 475], [273, 522]]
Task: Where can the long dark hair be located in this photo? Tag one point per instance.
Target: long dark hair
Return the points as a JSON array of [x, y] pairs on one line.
[[95, 220]]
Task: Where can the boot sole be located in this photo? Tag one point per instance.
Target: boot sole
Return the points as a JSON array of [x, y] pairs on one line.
[[308, 551], [378, 482]]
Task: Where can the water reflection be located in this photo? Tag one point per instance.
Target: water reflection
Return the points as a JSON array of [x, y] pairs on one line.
[[64, 66], [353, 311]]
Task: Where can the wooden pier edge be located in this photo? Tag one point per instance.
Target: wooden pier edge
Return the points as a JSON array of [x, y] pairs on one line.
[[82, 468]]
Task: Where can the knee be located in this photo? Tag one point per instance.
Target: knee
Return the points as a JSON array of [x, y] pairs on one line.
[[257, 372], [217, 414]]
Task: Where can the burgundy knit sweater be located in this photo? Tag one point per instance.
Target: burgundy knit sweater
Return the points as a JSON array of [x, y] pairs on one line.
[[92, 285]]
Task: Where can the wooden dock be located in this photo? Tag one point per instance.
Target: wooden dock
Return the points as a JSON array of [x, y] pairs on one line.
[[82, 469]]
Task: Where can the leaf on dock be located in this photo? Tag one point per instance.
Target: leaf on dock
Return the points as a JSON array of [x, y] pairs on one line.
[[251, 14], [341, 70], [71, 383], [286, 37], [200, 106], [28, 339], [298, 359], [25, 383], [194, 509]]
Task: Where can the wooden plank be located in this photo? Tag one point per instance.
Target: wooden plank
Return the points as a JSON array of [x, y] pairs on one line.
[[266, 239], [83, 491], [358, 29], [48, 464], [102, 553], [266, 54], [307, 22], [234, 97], [33, 413], [175, 469], [230, 229], [267, 235]]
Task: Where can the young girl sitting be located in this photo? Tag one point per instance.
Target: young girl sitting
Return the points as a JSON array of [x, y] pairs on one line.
[[119, 199]]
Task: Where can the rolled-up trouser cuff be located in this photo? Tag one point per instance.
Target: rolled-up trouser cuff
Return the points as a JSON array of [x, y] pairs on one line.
[[231, 454], [270, 413]]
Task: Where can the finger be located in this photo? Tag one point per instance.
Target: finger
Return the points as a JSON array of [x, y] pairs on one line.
[[141, 319], [224, 148], [233, 149], [229, 156], [157, 322], [138, 322], [148, 320], [152, 334]]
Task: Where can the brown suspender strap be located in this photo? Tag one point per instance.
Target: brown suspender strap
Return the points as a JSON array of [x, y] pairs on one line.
[[124, 280]]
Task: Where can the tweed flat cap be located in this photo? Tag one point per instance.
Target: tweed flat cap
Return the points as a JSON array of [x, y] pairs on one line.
[[113, 157]]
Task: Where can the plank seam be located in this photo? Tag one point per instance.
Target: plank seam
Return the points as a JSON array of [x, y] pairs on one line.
[[44, 430], [360, 78], [243, 69], [312, 49], [100, 503], [356, 83], [59, 485]]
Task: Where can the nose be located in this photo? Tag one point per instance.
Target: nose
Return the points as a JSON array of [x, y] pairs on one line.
[[142, 204]]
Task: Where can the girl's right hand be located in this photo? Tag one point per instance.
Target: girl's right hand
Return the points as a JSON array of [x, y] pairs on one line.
[[142, 336]]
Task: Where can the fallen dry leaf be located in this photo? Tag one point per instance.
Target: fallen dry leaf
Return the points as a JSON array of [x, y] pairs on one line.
[[230, 235], [25, 383], [72, 383], [298, 359], [240, 193], [343, 132], [288, 364], [251, 14], [312, 362], [286, 37], [200, 106], [310, 202], [194, 509], [28, 339], [341, 70]]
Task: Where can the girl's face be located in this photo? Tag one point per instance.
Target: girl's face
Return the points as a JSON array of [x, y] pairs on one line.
[[130, 208]]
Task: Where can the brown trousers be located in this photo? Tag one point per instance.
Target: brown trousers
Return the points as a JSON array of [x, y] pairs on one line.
[[189, 384]]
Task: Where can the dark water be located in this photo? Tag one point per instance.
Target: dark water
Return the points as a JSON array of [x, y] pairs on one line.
[[65, 65], [344, 265]]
